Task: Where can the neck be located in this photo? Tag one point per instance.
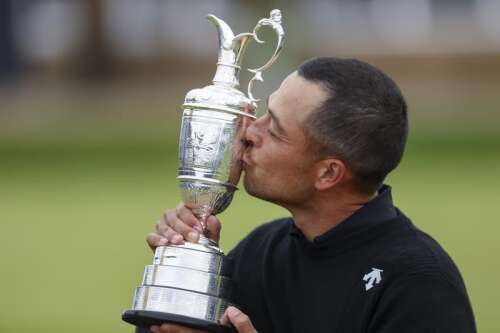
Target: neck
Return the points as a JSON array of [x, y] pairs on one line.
[[325, 211]]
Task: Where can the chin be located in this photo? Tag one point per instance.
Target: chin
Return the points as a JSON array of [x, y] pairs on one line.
[[257, 191], [247, 184], [250, 186]]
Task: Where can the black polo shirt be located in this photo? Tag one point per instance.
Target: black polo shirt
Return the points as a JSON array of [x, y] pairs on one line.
[[374, 272]]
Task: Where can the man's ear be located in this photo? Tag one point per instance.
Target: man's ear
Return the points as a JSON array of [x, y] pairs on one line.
[[330, 172]]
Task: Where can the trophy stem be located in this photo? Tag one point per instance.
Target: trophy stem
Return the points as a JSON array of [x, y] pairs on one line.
[[204, 240], [202, 214]]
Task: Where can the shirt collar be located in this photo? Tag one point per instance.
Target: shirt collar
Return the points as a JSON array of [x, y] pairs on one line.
[[376, 211]]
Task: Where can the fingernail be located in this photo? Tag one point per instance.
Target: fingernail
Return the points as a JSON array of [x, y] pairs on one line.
[[192, 236], [163, 241], [232, 311], [198, 228], [177, 239]]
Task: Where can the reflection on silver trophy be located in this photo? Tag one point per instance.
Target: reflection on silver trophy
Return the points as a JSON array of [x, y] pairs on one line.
[[188, 284]]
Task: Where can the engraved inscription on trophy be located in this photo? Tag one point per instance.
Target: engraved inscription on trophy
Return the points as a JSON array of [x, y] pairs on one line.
[[206, 146], [196, 142], [200, 146]]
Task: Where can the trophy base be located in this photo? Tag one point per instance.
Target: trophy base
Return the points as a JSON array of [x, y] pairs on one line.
[[146, 319], [185, 285]]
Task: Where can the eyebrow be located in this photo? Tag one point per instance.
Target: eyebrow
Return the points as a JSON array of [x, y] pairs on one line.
[[275, 119]]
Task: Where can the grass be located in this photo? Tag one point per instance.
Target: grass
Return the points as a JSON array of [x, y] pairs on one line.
[[74, 217]]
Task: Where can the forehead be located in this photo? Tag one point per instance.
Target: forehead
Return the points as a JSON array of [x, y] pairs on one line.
[[296, 99]]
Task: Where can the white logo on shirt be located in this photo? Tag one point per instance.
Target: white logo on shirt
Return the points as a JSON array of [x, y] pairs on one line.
[[374, 276]]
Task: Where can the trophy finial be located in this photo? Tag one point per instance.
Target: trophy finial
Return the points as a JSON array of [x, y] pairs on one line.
[[276, 15]]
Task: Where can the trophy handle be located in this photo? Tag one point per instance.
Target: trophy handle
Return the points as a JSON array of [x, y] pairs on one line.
[[275, 22]]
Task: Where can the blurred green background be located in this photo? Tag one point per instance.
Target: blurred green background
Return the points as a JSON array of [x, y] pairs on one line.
[[88, 155]]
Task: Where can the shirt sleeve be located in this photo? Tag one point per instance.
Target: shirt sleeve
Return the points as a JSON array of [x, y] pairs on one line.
[[425, 304]]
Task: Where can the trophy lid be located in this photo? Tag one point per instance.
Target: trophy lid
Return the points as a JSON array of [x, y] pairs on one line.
[[219, 98]]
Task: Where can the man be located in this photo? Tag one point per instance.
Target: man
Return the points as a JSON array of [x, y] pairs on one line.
[[347, 260]]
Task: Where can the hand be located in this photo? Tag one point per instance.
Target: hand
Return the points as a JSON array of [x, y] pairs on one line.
[[232, 316], [238, 319], [178, 225]]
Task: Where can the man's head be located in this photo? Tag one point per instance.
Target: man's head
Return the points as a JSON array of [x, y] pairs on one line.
[[335, 123]]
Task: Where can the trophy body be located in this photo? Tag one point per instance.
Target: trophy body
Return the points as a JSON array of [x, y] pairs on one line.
[[189, 284]]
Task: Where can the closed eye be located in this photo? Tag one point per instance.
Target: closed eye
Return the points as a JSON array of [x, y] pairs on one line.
[[271, 133]]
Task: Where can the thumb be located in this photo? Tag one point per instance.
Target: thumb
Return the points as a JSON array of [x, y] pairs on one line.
[[239, 320], [213, 228]]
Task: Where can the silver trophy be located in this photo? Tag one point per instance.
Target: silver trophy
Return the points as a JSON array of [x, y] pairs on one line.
[[188, 284]]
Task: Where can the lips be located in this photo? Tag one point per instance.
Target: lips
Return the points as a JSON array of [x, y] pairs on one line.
[[245, 161]]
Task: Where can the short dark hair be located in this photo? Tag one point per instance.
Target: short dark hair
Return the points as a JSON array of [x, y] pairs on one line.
[[363, 121]]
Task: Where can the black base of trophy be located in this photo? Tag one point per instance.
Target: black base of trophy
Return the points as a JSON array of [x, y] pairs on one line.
[[146, 319]]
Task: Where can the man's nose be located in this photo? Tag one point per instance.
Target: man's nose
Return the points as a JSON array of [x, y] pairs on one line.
[[252, 136]]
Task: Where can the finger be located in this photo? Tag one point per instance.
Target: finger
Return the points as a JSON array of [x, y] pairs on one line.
[[249, 108], [181, 227], [224, 320], [213, 228], [154, 240], [162, 227], [173, 237], [186, 215], [239, 320], [163, 230]]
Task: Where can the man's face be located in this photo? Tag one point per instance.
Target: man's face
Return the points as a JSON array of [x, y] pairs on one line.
[[279, 161]]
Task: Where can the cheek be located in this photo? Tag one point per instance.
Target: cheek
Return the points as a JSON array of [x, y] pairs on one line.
[[285, 164], [275, 158]]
